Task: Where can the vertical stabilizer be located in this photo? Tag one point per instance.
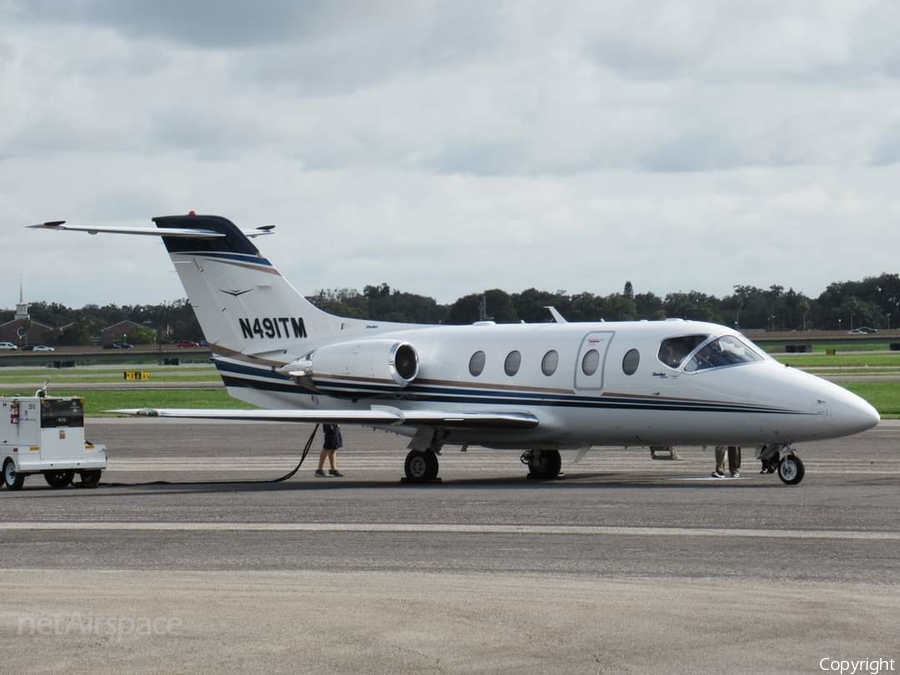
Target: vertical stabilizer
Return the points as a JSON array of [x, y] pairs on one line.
[[242, 302]]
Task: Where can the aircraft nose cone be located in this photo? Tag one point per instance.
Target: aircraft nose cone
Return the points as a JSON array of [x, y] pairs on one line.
[[853, 414]]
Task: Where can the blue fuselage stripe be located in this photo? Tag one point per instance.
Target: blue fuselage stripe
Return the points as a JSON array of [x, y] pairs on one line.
[[274, 381]]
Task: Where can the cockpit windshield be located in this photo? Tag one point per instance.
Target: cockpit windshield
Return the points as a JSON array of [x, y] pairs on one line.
[[727, 350], [675, 350]]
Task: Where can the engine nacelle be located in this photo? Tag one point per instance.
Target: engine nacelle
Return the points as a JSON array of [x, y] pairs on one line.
[[357, 367]]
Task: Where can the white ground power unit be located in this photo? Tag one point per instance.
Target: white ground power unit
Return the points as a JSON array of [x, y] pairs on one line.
[[45, 435]]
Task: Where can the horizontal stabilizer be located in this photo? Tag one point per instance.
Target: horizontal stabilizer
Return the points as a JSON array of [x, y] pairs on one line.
[[146, 231], [378, 417], [149, 231]]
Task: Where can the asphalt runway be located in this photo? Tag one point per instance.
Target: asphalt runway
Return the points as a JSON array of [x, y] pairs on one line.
[[178, 563]]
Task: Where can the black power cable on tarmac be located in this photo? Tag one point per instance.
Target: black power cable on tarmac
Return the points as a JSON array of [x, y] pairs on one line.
[[285, 477]]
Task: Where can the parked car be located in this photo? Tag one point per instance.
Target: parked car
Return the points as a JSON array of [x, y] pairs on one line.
[[37, 348], [118, 345], [7, 346], [862, 330], [187, 343]]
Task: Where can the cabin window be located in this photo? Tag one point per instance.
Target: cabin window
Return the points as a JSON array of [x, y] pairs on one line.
[[631, 361], [512, 363], [727, 350], [675, 350], [476, 364], [590, 362], [550, 362]]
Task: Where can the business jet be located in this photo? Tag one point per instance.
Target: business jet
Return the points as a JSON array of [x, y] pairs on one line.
[[544, 387]]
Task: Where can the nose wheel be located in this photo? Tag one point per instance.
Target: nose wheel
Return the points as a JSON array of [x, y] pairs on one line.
[[790, 470], [783, 460]]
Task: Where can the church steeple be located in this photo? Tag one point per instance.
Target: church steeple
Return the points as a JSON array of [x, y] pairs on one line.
[[22, 307]]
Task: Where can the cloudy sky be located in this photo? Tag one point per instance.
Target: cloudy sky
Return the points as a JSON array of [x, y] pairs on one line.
[[445, 148]]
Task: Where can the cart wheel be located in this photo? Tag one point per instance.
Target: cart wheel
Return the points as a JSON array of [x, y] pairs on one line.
[[90, 478], [58, 479], [14, 480]]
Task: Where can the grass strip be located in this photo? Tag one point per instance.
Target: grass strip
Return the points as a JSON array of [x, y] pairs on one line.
[[885, 396], [96, 402]]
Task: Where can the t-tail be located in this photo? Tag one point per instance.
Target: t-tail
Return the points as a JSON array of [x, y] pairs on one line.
[[241, 300]]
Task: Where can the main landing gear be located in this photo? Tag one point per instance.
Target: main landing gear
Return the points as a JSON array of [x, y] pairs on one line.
[[422, 464], [542, 464], [783, 459]]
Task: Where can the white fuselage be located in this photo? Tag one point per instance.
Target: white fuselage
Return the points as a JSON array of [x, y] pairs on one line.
[[749, 403]]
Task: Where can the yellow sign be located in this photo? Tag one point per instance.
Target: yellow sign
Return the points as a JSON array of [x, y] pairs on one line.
[[137, 375]]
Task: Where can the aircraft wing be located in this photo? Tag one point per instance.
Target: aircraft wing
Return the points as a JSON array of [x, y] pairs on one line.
[[147, 231], [377, 416]]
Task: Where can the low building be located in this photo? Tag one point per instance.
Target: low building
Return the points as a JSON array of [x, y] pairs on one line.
[[119, 332]]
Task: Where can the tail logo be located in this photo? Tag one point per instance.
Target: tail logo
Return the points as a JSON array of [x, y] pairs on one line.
[[273, 327], [235, 294]]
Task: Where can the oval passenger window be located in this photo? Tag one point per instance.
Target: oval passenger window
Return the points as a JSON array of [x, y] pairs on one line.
[[512, 363], [590, 362], [550, 362], [631, 361], [476, 364]]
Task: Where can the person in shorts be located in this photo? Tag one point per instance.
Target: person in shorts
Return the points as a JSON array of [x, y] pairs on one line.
[[332, 443]]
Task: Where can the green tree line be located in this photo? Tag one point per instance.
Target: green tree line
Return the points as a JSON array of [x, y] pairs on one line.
[[844, 305]]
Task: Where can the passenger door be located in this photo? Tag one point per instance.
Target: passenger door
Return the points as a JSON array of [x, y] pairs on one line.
[[591, 360]]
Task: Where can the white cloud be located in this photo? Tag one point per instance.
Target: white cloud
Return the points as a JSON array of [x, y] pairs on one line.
[[447, 147]]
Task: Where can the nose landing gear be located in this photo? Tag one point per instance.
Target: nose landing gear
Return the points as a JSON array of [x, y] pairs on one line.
[[790, 470], [783, 459]]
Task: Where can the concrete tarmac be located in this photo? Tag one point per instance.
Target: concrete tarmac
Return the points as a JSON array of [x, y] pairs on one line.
[[179, 563]]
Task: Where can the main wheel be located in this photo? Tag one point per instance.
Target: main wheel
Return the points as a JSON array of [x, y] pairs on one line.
[[545, 463], [14, 480], [421, 466], [791, 470], [58, 479], [90, 478]]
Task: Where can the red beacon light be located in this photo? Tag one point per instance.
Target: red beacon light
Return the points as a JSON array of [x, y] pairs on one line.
[[192, 212]]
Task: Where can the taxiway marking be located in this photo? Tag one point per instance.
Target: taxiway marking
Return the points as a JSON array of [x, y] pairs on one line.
[[442, 528]]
